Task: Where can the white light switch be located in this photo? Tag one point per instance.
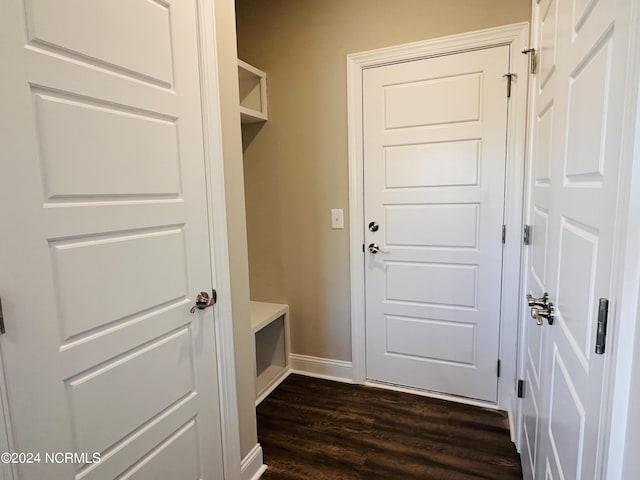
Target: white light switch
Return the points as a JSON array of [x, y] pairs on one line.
[[337, 219]]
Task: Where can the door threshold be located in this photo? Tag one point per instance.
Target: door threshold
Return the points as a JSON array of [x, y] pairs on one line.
[[428, 393]]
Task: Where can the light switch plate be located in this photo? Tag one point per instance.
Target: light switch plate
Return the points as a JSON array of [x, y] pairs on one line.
[[337, 218]]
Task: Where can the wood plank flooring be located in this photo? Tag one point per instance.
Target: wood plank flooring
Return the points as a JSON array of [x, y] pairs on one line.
[[312, 429]]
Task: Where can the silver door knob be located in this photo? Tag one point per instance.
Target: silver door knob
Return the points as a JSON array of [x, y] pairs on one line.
[[374, 227], [538, 313], [203, 300], [535, 314]]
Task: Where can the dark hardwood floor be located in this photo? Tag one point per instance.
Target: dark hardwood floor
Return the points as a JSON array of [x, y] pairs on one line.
[[312, 429]]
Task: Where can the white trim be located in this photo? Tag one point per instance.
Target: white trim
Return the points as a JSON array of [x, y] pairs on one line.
[[281, 378], [252, 466], [217, 216], [524, 260], [516, 36], [619, 371], [329, 369], [513, 219], [512, 426], [426, 393]]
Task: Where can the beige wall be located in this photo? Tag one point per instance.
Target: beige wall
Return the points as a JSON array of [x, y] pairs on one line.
[[296, 164], [236, 225]]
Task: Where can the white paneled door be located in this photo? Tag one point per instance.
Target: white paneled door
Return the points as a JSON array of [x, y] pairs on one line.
[[105, 241], [576, 117], [434, 177]]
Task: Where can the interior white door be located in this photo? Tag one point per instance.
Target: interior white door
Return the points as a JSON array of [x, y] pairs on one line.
[[577, 105], [105, 241], [434, 176]]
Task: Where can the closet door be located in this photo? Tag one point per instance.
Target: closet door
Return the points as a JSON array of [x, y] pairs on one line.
[[105, 242], [577, 110]]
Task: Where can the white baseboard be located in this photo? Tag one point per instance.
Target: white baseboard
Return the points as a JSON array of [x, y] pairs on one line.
[[337, 370], [252, 466], [512, 427]]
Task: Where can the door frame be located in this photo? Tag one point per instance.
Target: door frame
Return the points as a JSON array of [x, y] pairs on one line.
[[218, 240], [218, 244], [516, 36]]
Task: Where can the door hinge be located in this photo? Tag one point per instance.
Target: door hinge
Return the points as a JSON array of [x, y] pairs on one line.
[[533, 59], [498, 369], [526, 237], [504, 234], [509, 77], [2, 330], [603, 317], [520, 389]]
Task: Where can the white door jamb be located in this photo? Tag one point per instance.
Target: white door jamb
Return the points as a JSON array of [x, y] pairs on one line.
[[517, 37], [217, 219]]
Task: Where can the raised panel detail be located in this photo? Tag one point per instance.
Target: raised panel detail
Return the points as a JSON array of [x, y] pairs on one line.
[[548, 41], [432, 339], [85, 29], [432, 225], [96, 151], [581, 11], [437, 101], [102, 408], [576, 281], [539, 246], [548, 474], [586, 118], [89, 273], [544, 134], [566, 421], [433, 164], [434, 283], [161, 461]]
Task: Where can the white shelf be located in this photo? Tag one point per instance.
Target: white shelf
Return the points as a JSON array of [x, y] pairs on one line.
[[253, 93], [270, 327]]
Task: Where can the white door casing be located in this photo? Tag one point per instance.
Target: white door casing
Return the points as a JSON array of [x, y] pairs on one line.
[[434, 173], [577, 107], [104, 191]]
